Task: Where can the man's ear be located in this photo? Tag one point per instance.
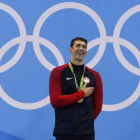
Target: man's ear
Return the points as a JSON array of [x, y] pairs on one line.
[[86, 53], [70, 49]]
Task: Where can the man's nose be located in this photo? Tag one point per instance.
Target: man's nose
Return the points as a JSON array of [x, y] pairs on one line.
[[81, 47]]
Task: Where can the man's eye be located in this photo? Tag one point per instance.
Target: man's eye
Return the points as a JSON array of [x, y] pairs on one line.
[[84, 46], [78, 45]]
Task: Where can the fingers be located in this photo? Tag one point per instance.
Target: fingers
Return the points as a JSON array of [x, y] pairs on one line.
[[90, 88], [88, 91], [87, 87], [85, 84]]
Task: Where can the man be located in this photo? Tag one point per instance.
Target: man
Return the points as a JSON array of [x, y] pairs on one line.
[[76, 93]]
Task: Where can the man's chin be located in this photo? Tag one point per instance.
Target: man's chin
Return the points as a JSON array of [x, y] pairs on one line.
[[80, 59]]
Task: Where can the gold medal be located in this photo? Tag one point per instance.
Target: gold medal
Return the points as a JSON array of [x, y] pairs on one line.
[[80, 101], [76, 83]]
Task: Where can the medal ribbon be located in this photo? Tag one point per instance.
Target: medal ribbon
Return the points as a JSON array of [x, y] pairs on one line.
[[82, 78]]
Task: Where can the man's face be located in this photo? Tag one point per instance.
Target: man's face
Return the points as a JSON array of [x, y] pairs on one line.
[[78, 51]]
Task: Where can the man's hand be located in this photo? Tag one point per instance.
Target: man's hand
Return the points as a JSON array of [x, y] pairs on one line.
[[87, 90]]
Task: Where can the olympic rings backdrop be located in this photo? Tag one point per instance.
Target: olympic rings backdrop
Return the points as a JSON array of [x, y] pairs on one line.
[[35, 37]]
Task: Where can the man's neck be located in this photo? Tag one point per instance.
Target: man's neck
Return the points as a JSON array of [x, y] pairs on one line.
[[77, 62]]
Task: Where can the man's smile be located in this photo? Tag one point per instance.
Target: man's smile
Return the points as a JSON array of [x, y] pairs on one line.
[[80, 53]]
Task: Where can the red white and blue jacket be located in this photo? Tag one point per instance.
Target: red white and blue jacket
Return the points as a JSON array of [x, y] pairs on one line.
[[74, 118]]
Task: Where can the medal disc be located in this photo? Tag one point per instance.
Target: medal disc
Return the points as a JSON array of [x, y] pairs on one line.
[[81, 100]]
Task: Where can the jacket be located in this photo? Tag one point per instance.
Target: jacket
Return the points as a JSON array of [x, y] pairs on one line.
[[74, 118]]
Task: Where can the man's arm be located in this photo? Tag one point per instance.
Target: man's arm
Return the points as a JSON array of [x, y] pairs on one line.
[[56, 97], [98, 95]]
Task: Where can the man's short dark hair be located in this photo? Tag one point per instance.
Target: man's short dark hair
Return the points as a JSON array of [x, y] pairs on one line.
[[76, 39]]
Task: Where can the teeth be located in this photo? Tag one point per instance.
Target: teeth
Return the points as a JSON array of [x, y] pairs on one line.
[[80, 53]]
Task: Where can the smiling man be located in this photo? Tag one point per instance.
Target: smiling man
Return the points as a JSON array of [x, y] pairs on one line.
[[76, 93]]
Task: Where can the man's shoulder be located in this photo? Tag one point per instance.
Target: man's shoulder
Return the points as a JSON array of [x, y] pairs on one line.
[[60, 68], [93, 71]]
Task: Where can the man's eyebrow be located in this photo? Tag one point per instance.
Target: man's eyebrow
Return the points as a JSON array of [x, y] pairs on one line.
[[81, 44]]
